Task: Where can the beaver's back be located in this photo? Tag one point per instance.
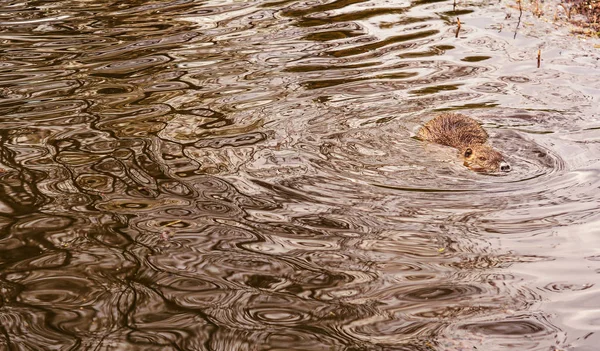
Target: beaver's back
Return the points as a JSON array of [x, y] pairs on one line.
[[454, 130]]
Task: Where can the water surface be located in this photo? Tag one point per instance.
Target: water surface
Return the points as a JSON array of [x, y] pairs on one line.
[[243, 175]]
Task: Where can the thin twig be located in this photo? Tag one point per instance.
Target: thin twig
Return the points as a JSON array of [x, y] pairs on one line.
[[567, 11], [519, 20], [172, 223]]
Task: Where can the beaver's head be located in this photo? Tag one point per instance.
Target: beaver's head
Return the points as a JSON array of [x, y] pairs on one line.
[[482, 158]]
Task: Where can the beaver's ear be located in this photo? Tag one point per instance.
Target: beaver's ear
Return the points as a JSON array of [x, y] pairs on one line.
[[468, 152]]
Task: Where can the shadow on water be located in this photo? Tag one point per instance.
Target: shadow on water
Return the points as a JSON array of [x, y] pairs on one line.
[[181, 175]]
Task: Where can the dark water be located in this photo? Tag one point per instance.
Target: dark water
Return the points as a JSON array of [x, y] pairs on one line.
[[234, 175]]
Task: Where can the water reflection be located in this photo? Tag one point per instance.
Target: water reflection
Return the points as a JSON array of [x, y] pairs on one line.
[[177, 175]]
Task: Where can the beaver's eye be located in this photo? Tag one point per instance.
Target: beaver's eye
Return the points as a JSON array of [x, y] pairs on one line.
[[481, 158], [468, 152]]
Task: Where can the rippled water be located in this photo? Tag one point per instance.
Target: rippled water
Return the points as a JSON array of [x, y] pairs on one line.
[[238, 175]]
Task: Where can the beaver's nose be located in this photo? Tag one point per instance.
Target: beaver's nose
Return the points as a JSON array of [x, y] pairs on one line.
[[504, 167]]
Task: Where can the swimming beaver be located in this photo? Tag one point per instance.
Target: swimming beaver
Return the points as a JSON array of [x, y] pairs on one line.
[[465, 134]]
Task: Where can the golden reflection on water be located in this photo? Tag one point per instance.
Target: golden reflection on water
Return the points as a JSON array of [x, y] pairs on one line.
[[177, 175]]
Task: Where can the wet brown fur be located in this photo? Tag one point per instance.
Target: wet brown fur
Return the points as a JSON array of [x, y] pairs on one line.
[[466, 135]]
